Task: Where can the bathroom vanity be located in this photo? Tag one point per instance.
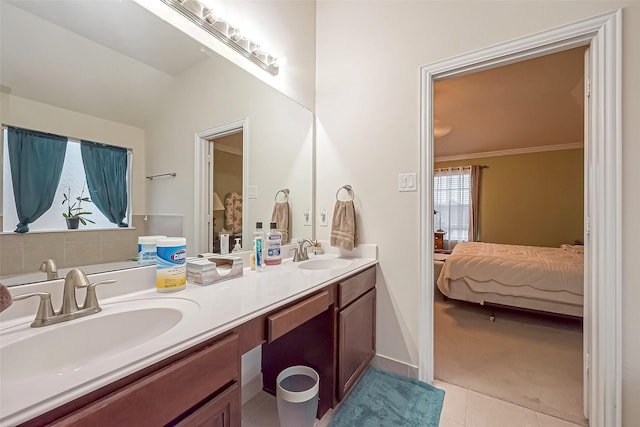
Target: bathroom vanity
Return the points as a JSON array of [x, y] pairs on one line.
[[323, 318]]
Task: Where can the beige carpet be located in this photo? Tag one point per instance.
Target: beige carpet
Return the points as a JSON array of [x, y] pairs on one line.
[[528, 359]]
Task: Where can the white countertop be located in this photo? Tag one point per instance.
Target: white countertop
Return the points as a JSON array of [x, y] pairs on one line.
[[218, 308]]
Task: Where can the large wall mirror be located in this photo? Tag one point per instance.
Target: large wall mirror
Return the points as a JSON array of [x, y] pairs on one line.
[[115, 73]]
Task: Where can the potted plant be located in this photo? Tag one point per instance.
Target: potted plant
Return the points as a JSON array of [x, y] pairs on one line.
[[75, 214]]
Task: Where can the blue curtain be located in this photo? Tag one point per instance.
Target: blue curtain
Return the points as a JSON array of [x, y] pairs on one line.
[[36, 160], [106, 169]]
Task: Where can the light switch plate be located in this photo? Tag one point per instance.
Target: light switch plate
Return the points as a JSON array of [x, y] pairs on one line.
[[407, 182], [307, 217], [252, 191], [324, 218]]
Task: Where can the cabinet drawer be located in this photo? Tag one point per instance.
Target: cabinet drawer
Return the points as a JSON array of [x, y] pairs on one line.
[[164, 395], [351, 288], [290, 318]]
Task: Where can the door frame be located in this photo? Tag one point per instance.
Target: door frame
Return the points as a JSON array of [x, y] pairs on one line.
[[203, 179], [603, 207]]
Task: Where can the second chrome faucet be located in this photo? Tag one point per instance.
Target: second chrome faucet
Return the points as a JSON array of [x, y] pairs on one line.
[[69, 309], [300, 253]]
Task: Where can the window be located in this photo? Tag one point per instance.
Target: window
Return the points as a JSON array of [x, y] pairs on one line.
[[452, 203], [73, 181]]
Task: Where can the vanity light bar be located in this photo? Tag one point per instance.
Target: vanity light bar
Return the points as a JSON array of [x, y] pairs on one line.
[[204, 18]]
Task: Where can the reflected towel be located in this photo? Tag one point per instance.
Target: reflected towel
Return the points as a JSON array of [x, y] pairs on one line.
[[5, 298], [280, 216], [343, 227]]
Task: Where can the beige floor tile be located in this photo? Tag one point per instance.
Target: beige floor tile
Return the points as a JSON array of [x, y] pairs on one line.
[[455, 402], [260, 412], [549, 421], [254, 405], [445, 422], [485, 411]]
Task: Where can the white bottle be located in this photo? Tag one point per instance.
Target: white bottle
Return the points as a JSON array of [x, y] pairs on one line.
[[224, 242], [237, 247], [274, 246]]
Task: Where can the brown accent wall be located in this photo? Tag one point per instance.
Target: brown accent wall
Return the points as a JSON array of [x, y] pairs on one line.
[[532, 199], [227, 177]]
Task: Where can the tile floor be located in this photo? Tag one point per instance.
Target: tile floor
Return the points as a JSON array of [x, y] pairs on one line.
[[462, 408]]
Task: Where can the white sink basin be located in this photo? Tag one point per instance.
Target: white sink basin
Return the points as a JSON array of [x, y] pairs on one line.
[[325, 264], [64, 349]]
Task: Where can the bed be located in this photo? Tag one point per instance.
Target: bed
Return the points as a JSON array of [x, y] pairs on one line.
[[530, 277]]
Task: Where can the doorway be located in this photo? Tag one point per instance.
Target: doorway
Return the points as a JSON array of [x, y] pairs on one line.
[[602, 198], [522, 127]]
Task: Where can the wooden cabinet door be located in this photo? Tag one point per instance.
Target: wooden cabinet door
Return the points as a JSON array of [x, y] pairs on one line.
[[221, 411], [357, 341]]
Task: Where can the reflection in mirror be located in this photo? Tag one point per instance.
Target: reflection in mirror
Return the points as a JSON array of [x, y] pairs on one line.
[[153, 95], [226, 169], [62, 183]]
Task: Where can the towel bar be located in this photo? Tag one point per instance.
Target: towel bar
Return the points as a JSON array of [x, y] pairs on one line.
[[150, 177], [348, 189], [286, 195]]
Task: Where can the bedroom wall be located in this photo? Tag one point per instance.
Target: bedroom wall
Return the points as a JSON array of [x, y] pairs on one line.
[[368, 131], [531, 199]]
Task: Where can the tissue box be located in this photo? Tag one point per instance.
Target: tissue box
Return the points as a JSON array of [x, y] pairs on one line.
[[213, 268]]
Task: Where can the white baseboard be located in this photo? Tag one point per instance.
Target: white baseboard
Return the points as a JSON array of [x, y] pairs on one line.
[[395, 366], [251, 388]]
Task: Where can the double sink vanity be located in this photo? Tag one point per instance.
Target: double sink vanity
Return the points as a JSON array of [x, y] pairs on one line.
[[175, 359]]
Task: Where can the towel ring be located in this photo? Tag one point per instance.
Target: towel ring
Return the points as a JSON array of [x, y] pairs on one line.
[[348, 189], [286, 195]]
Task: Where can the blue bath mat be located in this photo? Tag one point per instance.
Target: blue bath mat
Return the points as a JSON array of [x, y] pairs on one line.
[[382, 399]]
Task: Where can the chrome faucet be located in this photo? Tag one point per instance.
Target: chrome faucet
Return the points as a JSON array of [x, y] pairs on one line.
[[49, 266], [75, 278], [301, 251], [69, 309]]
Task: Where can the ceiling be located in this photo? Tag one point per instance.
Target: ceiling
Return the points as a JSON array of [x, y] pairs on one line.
[[95, 57], [533, 103], [99, 59]]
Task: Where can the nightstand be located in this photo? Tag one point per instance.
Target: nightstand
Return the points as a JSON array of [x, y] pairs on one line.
[[438, 240]]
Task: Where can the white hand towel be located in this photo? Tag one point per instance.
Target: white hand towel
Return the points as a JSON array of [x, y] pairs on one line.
[[343, 227]]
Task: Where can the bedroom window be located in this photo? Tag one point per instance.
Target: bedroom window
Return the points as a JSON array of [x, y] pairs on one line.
[[452, 202]]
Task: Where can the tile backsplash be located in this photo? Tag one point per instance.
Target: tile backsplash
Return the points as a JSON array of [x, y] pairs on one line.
[[23, 253]]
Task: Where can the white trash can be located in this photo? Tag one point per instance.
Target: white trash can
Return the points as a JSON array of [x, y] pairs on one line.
[[297, 394]]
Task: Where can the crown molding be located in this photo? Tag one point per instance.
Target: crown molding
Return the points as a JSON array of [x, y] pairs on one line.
[[527, 150]]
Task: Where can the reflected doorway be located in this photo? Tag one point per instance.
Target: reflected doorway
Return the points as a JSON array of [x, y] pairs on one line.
[[226, 198], [211, 144]]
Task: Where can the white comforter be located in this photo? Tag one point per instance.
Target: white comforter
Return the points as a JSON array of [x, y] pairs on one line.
[[544, 269]]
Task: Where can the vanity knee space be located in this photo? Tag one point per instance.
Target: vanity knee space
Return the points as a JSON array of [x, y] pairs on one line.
[[339, 342]]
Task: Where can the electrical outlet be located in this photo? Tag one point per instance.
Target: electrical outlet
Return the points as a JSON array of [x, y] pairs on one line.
[[252, 191]]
